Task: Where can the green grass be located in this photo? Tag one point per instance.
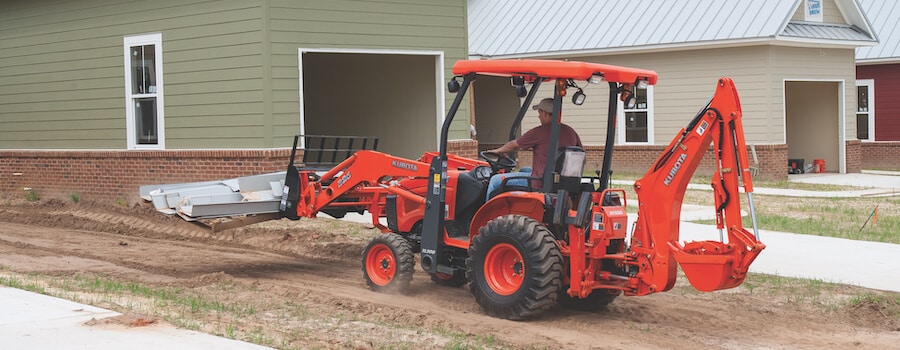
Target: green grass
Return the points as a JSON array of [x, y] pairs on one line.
[[31, 195], [849, 218], [275, 322]]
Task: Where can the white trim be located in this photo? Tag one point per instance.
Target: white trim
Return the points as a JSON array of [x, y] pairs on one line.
[[439, 75], [842, 116], [620, 121], [138, 40], [877, 61], [870, 84]]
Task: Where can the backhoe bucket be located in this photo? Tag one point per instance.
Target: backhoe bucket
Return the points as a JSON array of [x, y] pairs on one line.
[[713, 265]]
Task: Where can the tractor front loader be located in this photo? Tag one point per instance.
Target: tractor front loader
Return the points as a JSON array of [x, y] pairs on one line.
[[521, 250]]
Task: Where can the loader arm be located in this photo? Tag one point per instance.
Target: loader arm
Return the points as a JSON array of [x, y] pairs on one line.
[[713, 264], [362, 180]]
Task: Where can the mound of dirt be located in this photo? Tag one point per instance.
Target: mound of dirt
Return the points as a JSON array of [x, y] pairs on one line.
[[327, 239], [298, 284]]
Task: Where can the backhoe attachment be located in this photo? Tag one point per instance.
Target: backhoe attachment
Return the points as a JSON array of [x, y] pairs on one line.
[[712, 264]]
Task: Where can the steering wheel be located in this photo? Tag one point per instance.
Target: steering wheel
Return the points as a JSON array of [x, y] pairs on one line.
[[498, 161]]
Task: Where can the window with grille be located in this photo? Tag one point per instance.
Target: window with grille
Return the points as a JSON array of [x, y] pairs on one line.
[[865, 110], [144, 92], [635, 124]]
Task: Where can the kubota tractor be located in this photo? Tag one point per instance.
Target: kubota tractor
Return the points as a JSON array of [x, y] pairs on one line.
[[522, 251]]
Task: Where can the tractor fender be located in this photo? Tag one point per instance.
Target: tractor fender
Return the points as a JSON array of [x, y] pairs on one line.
[[530, 204]]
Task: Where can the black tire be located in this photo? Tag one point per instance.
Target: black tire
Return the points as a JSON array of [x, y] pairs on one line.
[[388, 263], [515, 268], [598, 299], [457, 279]]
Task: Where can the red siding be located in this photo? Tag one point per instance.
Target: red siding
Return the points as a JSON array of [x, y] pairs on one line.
[[887, 99]]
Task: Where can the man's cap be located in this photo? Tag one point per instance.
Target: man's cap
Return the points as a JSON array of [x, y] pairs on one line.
[[545, 105]]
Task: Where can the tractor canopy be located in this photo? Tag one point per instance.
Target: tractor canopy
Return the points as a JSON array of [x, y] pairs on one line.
[[551, 69]]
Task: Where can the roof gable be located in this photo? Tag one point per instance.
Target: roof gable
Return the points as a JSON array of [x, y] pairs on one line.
[[510, 28]]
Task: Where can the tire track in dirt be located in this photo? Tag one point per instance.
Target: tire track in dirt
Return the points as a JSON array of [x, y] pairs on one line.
[[318, 263]]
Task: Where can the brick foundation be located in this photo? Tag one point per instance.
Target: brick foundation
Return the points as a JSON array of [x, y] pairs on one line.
[[880, 155], [854, 156], [463, 148], [119, 174]]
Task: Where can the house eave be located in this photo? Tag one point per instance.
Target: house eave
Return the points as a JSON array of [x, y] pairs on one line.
[[718, 44], [878, 61]]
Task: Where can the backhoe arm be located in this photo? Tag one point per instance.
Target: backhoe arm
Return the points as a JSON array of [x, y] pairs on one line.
[[708, 265]]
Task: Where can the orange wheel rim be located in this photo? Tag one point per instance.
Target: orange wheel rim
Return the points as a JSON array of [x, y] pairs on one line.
[[380, 265], [504, 270]]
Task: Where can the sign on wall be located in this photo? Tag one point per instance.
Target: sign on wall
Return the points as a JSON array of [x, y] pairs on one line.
[[812, 11]]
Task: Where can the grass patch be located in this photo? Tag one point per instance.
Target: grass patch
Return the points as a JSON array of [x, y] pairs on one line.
[[236, 310], [850, 218], [31, 195]]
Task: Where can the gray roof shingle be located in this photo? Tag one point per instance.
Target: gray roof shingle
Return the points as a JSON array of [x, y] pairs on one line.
[[540, 27], [885, 18]]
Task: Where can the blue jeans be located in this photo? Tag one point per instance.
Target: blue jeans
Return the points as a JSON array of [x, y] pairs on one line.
[[497, 179]]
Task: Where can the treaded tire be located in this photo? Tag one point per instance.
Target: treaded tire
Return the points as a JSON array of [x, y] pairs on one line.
[[515, 268], [388, 263], [598, 299]]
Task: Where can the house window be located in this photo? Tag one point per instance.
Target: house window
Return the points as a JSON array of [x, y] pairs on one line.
[[865, 109], [635, 125], [144, 92]]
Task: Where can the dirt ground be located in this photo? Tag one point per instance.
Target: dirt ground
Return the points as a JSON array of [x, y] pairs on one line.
[[299, 284]]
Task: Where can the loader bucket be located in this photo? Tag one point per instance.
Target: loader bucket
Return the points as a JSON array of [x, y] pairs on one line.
[[710, 265]]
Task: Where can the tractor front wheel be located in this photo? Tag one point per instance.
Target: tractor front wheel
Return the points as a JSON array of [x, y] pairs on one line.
[[388, 263], [515, 268]]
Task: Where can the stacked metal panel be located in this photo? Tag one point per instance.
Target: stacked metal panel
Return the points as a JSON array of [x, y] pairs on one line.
[[257, 194]]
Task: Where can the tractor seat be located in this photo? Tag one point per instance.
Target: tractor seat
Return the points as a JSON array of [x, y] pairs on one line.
[[569, 166]]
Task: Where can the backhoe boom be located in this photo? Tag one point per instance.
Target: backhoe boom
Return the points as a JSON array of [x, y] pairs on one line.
[[709, 265]]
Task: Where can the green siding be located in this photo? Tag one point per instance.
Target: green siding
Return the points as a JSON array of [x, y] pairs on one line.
[[414, 25], [229, 67], [62, 75]]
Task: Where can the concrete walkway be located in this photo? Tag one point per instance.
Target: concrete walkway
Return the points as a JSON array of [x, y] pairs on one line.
[[867, 264], [36, 321]]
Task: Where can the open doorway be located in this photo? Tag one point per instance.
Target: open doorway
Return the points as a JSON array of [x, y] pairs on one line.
[[496, 106], [813, 122], [392, 95]]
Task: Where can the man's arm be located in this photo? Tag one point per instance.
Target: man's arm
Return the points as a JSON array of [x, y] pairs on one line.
[[506, 148]]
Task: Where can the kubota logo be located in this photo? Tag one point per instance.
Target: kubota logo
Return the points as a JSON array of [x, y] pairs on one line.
[[404, 165], [675, 168]]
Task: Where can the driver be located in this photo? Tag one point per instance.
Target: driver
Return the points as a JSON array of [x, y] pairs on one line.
[[537, 140]]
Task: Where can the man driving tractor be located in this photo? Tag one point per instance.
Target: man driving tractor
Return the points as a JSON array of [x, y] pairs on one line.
[[538, 140]]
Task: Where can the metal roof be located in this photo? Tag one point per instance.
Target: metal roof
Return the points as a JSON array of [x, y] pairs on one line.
[[512, 28], [885, 18], [825, 31]]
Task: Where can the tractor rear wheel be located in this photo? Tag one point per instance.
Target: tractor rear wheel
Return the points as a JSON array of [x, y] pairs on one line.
[[515, 268], [388, 263]]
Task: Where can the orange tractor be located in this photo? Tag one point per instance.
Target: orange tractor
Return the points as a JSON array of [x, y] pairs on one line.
[[521, 250]]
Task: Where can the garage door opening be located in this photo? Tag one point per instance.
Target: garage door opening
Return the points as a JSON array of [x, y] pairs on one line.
[[813, 122], [389, 95]]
